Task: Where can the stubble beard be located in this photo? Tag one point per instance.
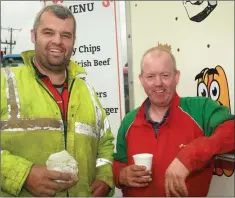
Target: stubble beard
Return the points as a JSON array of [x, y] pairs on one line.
[[55, 66]]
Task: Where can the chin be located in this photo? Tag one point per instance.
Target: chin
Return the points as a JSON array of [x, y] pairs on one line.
[[160, 103], [56, 63]]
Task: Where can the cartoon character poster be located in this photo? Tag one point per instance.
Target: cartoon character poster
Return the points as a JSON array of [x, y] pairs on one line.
[[213, 83], [199, 10]]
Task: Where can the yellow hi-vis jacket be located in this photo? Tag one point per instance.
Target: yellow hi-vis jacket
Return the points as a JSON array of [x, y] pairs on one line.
[[32, 129]]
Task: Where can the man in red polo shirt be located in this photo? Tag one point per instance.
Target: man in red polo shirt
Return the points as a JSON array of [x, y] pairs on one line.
[[183, 134]]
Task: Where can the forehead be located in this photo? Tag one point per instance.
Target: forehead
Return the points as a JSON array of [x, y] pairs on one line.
[[157, 60], [49, 20]]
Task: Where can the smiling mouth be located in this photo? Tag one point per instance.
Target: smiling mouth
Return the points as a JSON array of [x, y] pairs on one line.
[[159, 91], [55, 51]]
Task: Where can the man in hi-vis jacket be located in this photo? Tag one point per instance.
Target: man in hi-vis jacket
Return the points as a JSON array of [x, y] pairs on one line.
[[47, 108]]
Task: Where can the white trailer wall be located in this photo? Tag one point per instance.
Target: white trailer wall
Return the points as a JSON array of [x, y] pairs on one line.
[[196, 45]]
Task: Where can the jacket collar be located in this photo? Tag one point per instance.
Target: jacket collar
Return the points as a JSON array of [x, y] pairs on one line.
[[74, 69], [140, 118]]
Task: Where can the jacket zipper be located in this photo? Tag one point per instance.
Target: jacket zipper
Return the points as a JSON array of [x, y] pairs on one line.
[[69, 90], [64, 121], [62, 117]]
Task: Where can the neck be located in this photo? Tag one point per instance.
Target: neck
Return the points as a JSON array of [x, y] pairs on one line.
[[157, 113], [56, 78]]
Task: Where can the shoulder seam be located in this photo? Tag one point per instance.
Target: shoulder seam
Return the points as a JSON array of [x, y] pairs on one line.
[[191, 118], [128, 128]]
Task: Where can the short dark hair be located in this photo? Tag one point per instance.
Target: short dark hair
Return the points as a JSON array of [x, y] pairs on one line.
[[59, 11]]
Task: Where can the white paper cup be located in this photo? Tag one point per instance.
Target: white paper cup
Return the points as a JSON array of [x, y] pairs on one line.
[[143, 159]]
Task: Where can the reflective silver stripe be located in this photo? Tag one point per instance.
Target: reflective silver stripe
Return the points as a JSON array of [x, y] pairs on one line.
[[86, 129], [98, 111], [102, 161], [12, 94], [106, 127], [14, 122], [31, 129], [82, 76], [7, 87], [19, 125], [7, 94]]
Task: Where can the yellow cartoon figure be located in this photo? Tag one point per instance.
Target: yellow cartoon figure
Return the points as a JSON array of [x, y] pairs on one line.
[[212, 83]]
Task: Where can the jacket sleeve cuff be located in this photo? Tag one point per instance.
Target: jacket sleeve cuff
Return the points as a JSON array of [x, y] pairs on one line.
[[185, 156], [14, 171], [117, 167], [104, 173]]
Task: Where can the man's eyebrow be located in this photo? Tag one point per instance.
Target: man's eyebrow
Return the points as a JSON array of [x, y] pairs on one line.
[[149, 73], [47, 29]]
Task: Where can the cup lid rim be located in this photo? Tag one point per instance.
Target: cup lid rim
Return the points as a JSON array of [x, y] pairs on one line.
[[143, 155]]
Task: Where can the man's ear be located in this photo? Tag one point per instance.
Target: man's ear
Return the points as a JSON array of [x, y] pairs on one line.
[[74, 39], [177, 77], [141, 79], [33, 35]]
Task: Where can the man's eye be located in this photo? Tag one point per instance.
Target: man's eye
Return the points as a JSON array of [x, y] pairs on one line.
[[66, 36], [48, 33]]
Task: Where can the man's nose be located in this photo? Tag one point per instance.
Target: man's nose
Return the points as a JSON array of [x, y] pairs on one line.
[[56, 39], [158, 80]]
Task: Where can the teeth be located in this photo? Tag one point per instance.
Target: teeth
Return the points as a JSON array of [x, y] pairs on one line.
[[55, 50], [159, 91]]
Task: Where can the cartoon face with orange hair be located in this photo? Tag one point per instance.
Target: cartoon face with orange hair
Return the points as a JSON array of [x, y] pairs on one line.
[[213, 83]]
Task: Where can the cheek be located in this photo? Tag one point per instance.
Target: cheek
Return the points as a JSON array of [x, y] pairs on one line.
[[42, 43], [68, 45], [148, 86], [170, 85]]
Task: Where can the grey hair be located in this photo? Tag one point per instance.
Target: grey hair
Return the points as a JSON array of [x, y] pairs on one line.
[[158, 48], [59, 11]]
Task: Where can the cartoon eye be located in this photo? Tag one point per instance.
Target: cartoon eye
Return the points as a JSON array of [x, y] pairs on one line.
[[214, 90], [202, 90], [212, 2], [197, 2]]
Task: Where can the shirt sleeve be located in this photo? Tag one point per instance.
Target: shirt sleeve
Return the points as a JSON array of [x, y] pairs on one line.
[[218, 128]]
